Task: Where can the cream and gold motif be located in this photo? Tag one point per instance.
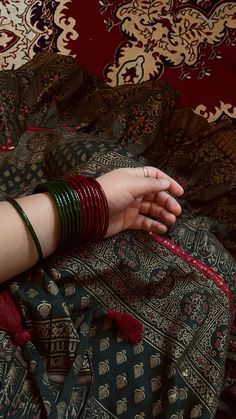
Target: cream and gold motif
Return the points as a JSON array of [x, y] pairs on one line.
[[171, 371], [140, 415], [85, 301], [155, 360], [156, 383], [52, 288], [14, 287], [121, 357], [104, 344], [44, 309], [223, 109], [159, 36], [138, 348], [196, 411], [175, 394], [69, 290], [21, 33], [174, 36], [103, 367], [156, 409], [138, 370], [31, 293], [178, 415], [92, 331], [139, 395], [121, 406], [121, 381], [103, 392]]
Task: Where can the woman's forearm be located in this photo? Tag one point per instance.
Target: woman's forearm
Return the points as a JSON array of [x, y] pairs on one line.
[[128, 198], [17, 248]]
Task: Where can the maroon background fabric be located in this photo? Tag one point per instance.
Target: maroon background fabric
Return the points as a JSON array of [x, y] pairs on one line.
[[208, 81]]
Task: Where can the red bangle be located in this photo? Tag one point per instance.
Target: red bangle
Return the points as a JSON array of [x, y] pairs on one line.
[[102, 205], [88, 199], [105, 209], [94, 207], [95, 227]]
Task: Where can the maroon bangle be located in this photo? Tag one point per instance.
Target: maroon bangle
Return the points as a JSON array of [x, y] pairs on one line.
[[95, 230], [102, 206], [105, 208], [84, 222], [94, 207], [85, 205], [88, 199]]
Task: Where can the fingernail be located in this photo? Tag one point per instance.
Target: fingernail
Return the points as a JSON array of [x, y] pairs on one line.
[[164, 182]]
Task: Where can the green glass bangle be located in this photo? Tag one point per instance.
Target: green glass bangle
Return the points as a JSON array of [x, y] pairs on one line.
[[80, 211], [74, 207], [24, 217], [60, 202], [67, 207], [48, 187], [67, 203]]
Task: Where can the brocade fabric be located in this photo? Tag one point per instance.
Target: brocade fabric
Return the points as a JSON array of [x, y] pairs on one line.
[[180, 286]]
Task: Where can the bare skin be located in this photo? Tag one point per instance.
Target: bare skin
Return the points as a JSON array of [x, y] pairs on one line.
[[133, 201]]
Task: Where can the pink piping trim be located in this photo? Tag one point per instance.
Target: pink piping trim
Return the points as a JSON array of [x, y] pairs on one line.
[[201, 266], [37, 129], [7, 147]]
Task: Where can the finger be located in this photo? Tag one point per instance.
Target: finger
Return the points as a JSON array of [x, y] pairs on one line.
[[147, 224], [154, 210], [165, 200], [168, 202], [153, 172], [146, 186], [175, 187]]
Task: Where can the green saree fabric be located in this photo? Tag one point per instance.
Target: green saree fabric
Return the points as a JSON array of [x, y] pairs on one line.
[[181, 286]]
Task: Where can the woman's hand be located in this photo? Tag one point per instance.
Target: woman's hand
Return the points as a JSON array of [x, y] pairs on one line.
[[140, 198], [133, 201]]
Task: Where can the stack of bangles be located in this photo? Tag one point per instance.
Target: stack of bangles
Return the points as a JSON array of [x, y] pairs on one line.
[[82, 208]]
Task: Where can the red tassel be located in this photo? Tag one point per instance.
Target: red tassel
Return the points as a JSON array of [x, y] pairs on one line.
[[10, 320], [130, 328]]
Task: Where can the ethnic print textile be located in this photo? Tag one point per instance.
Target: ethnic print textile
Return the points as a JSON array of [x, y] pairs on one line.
[[27, 27], [180, 286], [189, 43]]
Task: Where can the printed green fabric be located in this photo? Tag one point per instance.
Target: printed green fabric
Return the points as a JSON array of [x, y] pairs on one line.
[[181, 286]]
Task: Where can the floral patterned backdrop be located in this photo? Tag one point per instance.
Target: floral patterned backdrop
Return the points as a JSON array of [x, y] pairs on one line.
[[29, 26], [189, 43]]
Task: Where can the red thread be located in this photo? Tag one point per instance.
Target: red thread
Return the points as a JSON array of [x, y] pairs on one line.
[[199, 265], [10, 320], [22, 337], [130, 328], [38, 129]]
